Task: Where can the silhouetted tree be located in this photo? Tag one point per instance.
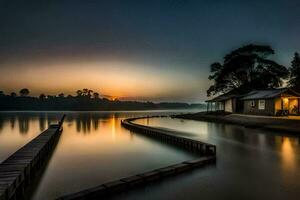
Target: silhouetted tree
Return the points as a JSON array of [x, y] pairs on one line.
[[1, 93], [13, 94], [85, 91], [90, 93], [295, 71], [96, 95], [42, 96], [79, 93], [24, 92], [246, 68], [61, 95]]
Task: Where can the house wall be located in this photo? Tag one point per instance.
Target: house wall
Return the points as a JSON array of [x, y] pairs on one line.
[[269, 107], [234, 104], [228, 105], [239, 106], [278, 104]]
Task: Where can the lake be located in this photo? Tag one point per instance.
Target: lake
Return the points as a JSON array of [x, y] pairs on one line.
[[94, 148]]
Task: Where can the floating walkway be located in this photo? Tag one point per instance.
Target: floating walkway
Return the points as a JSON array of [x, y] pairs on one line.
[[17, 171], [207, 155]]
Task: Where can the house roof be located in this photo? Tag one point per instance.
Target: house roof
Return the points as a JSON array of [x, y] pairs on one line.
[[255, 94], [231, 94], [268, 94]]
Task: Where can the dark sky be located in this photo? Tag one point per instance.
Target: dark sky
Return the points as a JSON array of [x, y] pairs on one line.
[[149, 50]]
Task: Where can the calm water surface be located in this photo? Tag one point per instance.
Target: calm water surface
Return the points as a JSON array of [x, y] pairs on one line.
[[251, 164], [92, 149]]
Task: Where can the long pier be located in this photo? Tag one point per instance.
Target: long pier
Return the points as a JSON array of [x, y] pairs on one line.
[[207, 155], [17, 171]]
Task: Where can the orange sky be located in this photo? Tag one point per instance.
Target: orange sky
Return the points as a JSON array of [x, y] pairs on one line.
[[117, 79]]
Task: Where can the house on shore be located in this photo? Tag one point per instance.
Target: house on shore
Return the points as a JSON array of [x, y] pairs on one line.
[[227, 102], [283, 101]]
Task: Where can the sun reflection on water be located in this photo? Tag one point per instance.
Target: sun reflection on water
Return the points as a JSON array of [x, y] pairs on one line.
[[113, 127]]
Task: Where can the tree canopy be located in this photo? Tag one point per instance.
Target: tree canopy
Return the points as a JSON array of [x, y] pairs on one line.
[[246, 68], [24, 92], [295, 71]]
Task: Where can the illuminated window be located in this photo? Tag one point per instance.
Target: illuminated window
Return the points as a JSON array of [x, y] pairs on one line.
[[285, 103], [261, 104]]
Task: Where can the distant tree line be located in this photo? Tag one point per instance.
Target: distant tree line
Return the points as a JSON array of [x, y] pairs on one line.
[[250, 67], [85, 99]]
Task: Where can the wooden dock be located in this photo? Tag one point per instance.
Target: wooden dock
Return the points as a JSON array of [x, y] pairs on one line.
[[17, 171], [166, 135], [207, 155]]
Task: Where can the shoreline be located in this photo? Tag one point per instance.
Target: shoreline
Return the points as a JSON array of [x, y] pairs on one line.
[[280, 124], [108, 110], [183, 111]]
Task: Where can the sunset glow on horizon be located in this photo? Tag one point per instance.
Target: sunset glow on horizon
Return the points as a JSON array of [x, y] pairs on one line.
[[120, 80]]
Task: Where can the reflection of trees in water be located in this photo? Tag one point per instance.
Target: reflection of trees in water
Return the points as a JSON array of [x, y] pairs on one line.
[[95, 124], [23, 120], [85, 122], [42, 121], [12, 120], [23, 124]]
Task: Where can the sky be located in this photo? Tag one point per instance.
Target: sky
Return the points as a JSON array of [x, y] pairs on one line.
[[135, 49]]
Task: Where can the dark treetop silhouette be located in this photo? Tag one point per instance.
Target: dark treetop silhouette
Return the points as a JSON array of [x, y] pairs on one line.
[[85, 100], [245, 69], [24, 92], [295, 71]]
